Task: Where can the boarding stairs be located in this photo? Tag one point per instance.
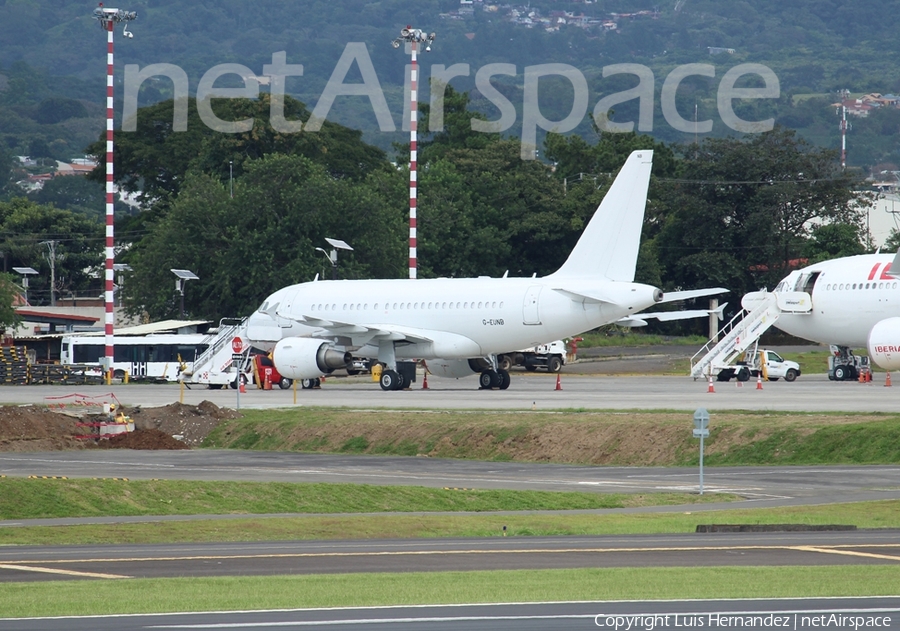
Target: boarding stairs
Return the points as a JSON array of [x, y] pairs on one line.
[[214, 364], [741, 332]]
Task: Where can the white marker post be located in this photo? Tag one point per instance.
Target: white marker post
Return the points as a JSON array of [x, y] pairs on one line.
[[237, 360], [701, 431]]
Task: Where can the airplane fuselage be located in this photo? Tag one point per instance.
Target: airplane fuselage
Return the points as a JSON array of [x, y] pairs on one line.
[[461, 318], [849, 297]]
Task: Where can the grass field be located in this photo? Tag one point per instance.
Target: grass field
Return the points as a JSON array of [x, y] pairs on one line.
[[58, 598], [23, 498], [574, 437], [883, 514]]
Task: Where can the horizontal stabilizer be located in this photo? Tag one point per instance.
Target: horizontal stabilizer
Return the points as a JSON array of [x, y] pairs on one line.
[[672, 296], [640, 319]]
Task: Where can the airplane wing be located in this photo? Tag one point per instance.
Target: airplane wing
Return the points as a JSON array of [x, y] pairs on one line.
[[360, 334], [672, 296]]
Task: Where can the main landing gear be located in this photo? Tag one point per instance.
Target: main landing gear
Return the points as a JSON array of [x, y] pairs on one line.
[[494, 379], [392, 380]]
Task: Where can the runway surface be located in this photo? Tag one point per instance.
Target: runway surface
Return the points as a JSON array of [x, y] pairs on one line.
[[810, 393], [25, 563], [795, 614]]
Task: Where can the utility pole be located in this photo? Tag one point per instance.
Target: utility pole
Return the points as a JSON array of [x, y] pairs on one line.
[[51, 258]]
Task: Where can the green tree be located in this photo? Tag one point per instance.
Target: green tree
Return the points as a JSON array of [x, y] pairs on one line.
[[6, 167], [24, 225], [833, 240], [73, 193], [741, 212], [246, 247], [9, 294], [156, 159]]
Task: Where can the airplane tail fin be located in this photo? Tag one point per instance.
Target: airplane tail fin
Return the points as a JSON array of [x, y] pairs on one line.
[[609, 245]]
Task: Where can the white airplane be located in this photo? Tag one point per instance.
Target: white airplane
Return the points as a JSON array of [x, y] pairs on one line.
[[855, 303], [459, 325]]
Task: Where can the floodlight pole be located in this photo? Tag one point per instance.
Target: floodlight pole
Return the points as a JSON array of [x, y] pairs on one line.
[[412, 37], [108, 19]]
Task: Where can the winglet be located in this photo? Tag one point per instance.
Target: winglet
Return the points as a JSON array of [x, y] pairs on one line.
[[608, 247]]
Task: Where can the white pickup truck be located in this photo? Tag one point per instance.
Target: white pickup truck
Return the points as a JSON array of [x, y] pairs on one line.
[[761, 362]]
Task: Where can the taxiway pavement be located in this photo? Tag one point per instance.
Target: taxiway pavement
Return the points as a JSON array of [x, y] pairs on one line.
[[26, 563], [810, 393], [797, 614]]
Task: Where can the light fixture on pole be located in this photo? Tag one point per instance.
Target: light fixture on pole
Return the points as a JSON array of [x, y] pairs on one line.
[[413, 37], [25, 272], [336, 244], [184, 275], [108, 19]]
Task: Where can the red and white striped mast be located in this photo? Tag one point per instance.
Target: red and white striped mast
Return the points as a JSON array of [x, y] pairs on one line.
[[108, 19], [845, 126], [413, 37]]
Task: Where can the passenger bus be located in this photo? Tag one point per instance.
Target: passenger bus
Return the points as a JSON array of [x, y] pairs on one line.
[[149, 357]]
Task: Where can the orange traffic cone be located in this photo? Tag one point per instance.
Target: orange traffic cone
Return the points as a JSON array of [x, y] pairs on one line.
[[425, 381], [869, 376], [862, 376], [243, 387], [887, 381], [558, 382], [759, 382], [711, 387], [267, 385]]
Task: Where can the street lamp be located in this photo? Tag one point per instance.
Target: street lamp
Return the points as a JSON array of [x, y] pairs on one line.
[[413, 37], [184, 275], [25, 272], [336, 244], [108, 19]]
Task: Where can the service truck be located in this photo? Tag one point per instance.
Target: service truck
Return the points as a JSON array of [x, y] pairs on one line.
[[760, 362], [550, 356]]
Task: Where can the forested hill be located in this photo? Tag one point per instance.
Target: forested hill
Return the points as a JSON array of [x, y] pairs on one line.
[[53, 49]]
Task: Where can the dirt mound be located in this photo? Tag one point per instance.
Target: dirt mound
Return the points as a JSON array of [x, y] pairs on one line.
[[142, 439], [191, 422], [35, 428]]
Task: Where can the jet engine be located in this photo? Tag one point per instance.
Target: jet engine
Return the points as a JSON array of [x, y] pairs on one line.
[[306, 358], [884, 344]]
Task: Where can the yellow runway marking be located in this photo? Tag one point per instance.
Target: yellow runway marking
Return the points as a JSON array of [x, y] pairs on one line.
[[48, 570], [870, 555]]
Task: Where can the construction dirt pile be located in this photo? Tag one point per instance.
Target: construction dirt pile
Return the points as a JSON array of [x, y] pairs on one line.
[[35, 428], [191, 423], [142, 439]]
